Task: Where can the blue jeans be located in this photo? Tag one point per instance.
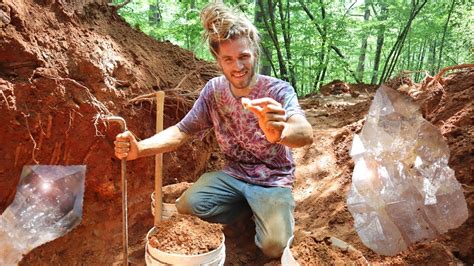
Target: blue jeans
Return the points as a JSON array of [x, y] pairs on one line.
[[220, 198]]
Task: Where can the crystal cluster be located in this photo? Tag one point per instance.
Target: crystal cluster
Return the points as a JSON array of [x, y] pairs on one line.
[[47, 205], [403, 190]]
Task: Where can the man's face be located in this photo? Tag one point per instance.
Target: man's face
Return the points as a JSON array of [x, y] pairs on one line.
[[237, 59]]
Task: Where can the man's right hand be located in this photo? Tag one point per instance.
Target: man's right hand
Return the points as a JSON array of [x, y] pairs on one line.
[[126, 146]]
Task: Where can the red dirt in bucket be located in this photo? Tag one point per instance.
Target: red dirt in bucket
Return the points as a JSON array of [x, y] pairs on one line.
[[187, 235]]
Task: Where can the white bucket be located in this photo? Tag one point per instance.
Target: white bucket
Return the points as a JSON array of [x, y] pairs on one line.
[[155, 256], [287, 258], [167, 209]]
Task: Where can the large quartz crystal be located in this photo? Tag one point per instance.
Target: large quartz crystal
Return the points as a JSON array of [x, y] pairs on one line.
[[403, 190], [47, 205]]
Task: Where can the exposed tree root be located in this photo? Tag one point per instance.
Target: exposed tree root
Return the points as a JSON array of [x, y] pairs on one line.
[[179, 98], [438, 78], [33, 153]]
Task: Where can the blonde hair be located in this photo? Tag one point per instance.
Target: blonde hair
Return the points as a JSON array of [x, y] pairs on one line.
[[222, 23]]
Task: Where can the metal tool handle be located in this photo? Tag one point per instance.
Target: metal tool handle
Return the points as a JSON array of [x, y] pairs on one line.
[[119, 120], [123, 172], [123, 175]]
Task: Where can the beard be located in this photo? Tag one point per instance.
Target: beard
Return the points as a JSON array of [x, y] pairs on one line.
[[242, 79]]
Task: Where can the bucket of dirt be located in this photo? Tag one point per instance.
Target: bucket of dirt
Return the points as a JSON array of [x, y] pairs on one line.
[[185, 240], [170, 194]]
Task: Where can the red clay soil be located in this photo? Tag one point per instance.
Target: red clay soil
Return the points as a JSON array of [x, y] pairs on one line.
[[62, 64], [187, 235]]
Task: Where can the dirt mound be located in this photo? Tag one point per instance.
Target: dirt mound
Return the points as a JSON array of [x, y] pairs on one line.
[[340, 87], [448, 105], [76, 60]]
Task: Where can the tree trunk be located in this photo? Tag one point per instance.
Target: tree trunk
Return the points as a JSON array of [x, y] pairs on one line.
[[420, 60], [324, 57], [266, 64], [285, 28], [444, 35], [380, 40], [432, 58], [271, 29], [413, 57], [363, 47], [408, 55], [154, 14], [392, 58]]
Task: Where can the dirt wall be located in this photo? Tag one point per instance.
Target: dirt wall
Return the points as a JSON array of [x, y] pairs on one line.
[[61, 65]]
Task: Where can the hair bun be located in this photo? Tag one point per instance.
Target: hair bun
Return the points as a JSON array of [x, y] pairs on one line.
[[221, 23]]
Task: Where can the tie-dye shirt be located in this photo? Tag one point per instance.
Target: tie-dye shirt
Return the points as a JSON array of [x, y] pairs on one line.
[[249, 156]]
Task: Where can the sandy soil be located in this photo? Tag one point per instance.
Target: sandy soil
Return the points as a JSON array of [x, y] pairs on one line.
[[312, 251]]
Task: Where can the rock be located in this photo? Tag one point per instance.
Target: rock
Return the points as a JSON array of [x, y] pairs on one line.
[[354, 94], [5, 18], [47, 205], [403, 190]]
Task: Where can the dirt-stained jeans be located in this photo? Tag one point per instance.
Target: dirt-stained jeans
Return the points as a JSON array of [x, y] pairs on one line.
[[220, 198]]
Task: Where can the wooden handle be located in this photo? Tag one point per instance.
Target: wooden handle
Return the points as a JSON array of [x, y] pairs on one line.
[[160, 98]]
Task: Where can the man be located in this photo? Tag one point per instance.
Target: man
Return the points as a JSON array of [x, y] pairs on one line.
[[254, 139]]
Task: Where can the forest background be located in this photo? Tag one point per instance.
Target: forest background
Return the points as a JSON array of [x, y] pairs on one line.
[[310, 43]]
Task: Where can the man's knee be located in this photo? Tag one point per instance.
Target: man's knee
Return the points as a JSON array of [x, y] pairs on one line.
[[273, 247], [192, 201], [182, 206], [193, 205]]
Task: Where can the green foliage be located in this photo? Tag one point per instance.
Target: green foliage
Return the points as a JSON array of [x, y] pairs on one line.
[[180, 22], [313, 42]]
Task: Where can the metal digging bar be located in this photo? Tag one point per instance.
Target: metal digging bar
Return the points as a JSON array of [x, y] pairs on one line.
[[123, 174]]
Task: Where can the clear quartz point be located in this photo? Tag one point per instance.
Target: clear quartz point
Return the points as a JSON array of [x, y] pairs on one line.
[[47, 205], [403, 190]]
